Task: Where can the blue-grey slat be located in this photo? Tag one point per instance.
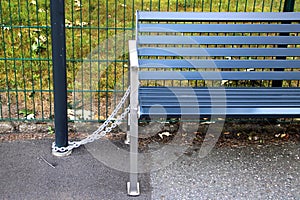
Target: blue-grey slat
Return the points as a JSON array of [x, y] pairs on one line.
[[227, 89], [209, 103], [207, 94], [204, 97], [194, 63], [175, 75], [218, 16], [218, 94], [220, 28], [212, 97], [228, 105], [147, 51], [281, 99], [229, 112], [249, 40], [215, 98]]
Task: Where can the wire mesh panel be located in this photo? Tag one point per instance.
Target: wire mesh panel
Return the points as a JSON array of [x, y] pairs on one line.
[[25, 60], [97, 32]]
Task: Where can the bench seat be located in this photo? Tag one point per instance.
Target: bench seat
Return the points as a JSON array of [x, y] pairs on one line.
[[176, 102]]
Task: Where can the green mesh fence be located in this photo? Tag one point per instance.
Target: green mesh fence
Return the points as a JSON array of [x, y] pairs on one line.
[[97, 32]]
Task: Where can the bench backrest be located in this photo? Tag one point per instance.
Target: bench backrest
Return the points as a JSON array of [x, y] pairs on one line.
[[218, 46]]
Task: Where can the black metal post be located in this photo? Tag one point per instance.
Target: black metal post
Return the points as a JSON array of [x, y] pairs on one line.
[[288, 7], [59, 71]]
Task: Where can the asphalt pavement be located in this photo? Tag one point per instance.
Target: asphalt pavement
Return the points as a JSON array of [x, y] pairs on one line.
[[29, 171]]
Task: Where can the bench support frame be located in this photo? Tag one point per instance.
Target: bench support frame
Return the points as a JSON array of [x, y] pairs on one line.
[[161, 52], [133, 185]]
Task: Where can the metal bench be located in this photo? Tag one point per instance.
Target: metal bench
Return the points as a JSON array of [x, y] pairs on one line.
[[212, 64]]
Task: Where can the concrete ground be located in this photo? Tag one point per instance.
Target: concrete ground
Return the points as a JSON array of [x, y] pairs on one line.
[[29, 171]]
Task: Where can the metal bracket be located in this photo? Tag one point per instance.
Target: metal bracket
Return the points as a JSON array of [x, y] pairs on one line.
[[139, 112], [133, 192]]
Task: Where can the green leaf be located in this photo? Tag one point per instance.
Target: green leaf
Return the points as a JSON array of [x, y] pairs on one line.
[[25, 112]]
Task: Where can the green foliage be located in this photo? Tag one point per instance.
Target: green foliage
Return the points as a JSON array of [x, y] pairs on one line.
[[25, 112], [21, 45], [50, 130]]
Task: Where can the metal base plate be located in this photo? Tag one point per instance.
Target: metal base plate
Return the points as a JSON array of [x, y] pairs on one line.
[[61, 154], [135, 192]]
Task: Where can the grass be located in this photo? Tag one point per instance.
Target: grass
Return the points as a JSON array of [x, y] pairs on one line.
[[97, 34]]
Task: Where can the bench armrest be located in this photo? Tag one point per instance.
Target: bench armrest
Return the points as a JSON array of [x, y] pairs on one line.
[[133, 56], [134, 80]]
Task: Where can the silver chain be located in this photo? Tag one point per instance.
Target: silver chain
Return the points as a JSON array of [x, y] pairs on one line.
[[104, 129]]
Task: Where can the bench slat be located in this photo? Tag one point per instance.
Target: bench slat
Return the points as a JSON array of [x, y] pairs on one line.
[[229, 112], [190, 63], [230, 90], [205, 98], [220, 28], [218, 16], [232, 102], [147, 51], [215, 98], [204, 75], [213, 92], [249, 40], [161, 91], [228, 105], [219, 98]]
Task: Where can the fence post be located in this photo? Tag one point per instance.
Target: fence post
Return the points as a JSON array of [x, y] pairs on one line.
[[59, 74], [288, 7]]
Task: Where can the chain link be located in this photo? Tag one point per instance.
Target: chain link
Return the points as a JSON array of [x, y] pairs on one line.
[[104, 129]]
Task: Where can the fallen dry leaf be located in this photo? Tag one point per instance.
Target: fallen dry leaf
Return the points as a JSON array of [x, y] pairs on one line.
[[161, 135]]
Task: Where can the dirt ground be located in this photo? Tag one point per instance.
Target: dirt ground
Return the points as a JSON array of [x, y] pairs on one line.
[[235, 133]]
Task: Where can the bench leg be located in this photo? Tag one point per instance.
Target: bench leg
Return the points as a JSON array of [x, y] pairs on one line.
[[133, 185]]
